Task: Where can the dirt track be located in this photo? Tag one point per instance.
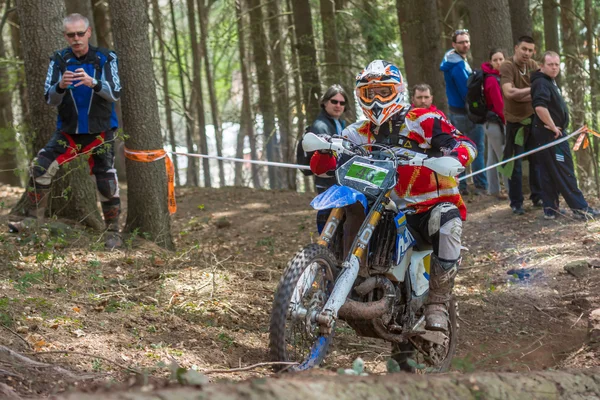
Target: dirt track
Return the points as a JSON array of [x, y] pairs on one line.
[[208, 304]]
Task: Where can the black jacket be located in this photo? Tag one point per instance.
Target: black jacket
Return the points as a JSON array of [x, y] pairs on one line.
[[545, 93], [323, 125]]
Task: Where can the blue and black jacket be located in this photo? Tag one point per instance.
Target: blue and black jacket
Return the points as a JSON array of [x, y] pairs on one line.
[[83, 109]]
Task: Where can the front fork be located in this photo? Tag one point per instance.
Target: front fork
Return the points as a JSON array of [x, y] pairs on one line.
[[350, 267]]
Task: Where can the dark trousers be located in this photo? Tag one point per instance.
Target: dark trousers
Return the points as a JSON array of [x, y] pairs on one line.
[[558, 174], [515, 182]]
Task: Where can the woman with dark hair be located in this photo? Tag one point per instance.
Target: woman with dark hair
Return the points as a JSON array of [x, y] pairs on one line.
[[333, 105], [494, 126]]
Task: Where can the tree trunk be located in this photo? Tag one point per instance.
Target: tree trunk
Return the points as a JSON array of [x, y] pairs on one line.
[[197, 90], [212, 92], [263, 76], [581, 384], [283, 99], [594, 86], [8, 141], [192, 178], [551, 40], [85, 8], [307, 58], [296, 79], [491, 27], [330, 43], [520, 19], [147, 183], [448, 14], [102, 24], [15, 40], [421, 45], [158, 17], [347, 68], [246, 120], [43, 36], [573, 81]]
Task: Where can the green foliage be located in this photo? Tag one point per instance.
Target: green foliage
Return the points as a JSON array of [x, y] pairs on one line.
[[392, 366], [226, 340], [268, 242], [27, 280]]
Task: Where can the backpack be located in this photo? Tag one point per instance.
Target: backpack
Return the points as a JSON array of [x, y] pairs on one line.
[[477, 110]]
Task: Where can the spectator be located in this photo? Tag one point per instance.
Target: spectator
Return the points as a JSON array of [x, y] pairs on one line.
[[456, 73], [422, 98], [83, 82], [494, 126], [556, 163], [333, 105], [518, 111]]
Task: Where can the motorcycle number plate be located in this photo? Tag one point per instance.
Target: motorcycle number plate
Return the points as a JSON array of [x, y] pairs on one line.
[[367, 174]]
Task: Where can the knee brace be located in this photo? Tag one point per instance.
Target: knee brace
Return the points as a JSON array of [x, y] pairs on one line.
[[445, 225], [108, 186], [43, 169]]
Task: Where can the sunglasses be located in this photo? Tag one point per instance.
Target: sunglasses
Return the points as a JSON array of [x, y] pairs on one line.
[[71, 35], [336, 102]]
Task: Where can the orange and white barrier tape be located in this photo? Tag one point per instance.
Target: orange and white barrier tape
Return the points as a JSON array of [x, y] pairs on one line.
[[155, 155]]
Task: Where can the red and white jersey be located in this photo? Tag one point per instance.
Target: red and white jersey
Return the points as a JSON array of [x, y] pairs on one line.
[[422, 131]]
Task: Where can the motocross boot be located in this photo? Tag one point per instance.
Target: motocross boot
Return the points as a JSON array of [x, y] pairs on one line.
[[113, 237], [441, 282], [35, 210]]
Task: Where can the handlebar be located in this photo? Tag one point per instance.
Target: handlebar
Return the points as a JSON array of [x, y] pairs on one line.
[[447, 166]]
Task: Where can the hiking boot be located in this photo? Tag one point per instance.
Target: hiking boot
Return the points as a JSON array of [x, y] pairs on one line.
[[549, 216], [538, 203], [114, 240], [441, 283], [480, 191], [518, 210]]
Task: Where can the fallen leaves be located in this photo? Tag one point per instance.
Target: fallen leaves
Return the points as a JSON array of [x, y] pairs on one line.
[[78, 333]]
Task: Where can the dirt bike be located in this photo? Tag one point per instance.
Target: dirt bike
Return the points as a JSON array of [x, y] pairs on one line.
[[317, 288]]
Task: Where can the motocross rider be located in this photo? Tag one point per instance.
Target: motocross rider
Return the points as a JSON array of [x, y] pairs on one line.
[[433, 204]]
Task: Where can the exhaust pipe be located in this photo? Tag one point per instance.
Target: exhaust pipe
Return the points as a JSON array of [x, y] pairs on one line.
[[373, 309]]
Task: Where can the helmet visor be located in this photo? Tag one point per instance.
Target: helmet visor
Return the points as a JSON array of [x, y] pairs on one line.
[[381, 91]]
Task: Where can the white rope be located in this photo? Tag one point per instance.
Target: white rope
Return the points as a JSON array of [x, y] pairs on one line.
[[547, 145], [271, 163], [285, 165]]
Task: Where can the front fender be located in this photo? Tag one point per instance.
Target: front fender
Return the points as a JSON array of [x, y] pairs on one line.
[[338, 196]]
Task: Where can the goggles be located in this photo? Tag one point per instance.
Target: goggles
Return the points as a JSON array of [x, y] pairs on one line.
[[384, 92]]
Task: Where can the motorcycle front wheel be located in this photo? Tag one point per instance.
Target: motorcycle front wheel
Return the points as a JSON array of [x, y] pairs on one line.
[[303, 290]]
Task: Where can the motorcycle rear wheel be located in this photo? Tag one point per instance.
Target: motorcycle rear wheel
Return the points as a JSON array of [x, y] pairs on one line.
[[311, 273], [428, 357]]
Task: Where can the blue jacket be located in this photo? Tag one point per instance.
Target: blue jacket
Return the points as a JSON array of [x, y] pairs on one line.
[[456, 73], [83, 109]]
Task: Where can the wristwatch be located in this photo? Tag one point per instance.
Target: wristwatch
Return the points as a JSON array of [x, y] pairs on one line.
[[94, 82]]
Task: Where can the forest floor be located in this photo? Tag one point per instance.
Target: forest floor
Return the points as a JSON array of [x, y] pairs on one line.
[[105, 315]]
